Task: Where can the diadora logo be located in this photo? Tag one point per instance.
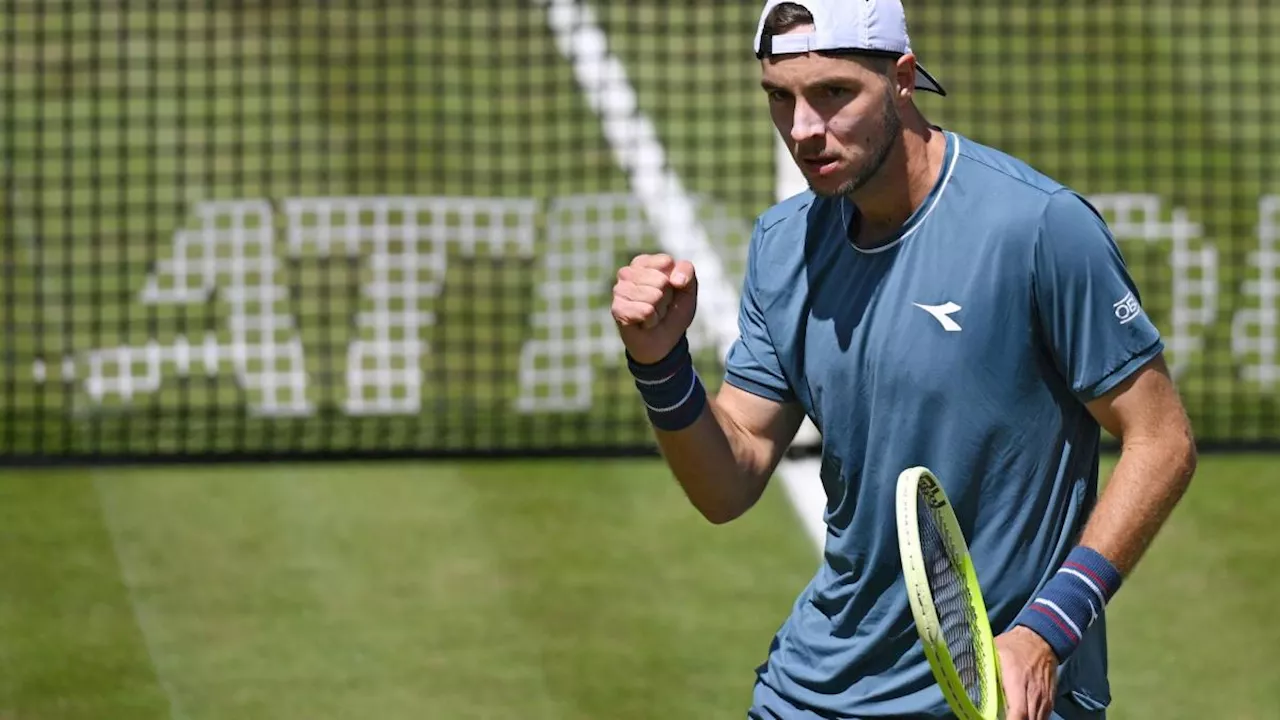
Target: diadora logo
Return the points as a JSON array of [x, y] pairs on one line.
[[1127, 308], [942, 313]]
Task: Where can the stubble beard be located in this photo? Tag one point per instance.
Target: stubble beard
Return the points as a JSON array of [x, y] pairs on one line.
[[891, 129]]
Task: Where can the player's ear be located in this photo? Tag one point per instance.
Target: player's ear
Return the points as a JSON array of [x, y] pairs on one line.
[[903, 75]]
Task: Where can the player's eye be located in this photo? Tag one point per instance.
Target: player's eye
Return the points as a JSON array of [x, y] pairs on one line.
[[836, 91], [779, 96]]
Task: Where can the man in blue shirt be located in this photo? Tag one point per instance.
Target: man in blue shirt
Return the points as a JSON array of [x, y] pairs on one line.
[[929, 301]]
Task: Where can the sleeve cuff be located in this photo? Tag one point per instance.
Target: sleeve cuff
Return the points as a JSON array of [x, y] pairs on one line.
[[755, 388], [1112, 379]]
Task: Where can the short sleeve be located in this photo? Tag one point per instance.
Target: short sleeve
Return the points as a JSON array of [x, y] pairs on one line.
[[1088, 306], [752, 363]]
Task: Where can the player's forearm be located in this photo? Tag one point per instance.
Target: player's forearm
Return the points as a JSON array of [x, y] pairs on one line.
[[1149, 479], [713, 461], [1157, 460], [1151, 476]]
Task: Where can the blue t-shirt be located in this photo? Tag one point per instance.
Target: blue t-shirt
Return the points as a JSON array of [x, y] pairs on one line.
[[969, 343]]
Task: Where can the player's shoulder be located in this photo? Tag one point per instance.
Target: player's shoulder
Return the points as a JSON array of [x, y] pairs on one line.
[[1011, 190], [786, 223], [776, 229], [1001, 171], [791, 210], [783, 239]]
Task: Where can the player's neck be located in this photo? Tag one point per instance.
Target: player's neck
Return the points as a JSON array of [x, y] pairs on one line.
[[904, 181]]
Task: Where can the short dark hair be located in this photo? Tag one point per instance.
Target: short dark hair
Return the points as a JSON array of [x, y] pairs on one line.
[[785, 17]]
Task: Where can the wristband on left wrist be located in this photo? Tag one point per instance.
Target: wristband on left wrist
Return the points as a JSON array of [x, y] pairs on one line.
[[1072, 600]]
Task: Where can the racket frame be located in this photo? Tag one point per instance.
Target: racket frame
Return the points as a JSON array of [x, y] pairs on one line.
[[910, 484]]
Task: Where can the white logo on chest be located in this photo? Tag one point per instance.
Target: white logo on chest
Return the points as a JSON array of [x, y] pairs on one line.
[[942, 313]]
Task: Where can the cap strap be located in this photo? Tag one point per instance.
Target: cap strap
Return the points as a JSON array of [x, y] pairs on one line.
[[787, 44]]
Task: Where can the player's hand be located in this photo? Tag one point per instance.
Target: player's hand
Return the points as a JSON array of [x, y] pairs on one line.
[[653, 305], [1029, 670]]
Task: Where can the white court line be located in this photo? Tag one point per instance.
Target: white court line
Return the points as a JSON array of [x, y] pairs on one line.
[[141, 617], [635, 145], [803, 485]]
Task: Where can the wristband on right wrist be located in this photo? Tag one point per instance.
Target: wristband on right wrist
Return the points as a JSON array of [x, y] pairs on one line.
[[654, 373], [671, 389]]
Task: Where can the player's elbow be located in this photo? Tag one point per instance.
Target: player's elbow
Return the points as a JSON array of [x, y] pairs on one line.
[[723, 511], [1187, 457], [1160, 436], [731, 502], [719, 516], [1175, 448]]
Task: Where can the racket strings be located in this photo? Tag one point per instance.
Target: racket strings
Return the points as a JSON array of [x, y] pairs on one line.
[[952, 603]]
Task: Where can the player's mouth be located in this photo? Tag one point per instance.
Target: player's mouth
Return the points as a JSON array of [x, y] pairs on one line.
[[821, 165]]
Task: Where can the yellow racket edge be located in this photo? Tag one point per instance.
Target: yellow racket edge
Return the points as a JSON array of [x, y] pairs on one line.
[[912, 483]]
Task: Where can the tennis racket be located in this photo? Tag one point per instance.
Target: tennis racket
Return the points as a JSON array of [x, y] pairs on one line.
[[942, 587]]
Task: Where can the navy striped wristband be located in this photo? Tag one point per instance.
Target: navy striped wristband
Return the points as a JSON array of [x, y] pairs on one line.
[[671, 389], [1072, 600]]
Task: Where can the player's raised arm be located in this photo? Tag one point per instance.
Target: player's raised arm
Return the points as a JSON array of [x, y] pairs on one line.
[[721, 449]]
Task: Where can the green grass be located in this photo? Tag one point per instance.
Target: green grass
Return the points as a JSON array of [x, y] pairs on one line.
[[1192, 634], [491, 589], [72, 645], [537, 589]]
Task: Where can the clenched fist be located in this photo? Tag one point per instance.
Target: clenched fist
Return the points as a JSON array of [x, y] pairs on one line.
[[653, 304]]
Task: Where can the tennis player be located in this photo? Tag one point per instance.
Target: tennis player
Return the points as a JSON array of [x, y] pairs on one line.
[[929, 301]]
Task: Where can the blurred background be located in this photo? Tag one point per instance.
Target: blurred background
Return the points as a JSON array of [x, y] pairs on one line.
[[310, 400]]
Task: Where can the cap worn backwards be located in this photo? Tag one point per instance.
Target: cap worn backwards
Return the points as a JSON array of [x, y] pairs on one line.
[[872, 26]]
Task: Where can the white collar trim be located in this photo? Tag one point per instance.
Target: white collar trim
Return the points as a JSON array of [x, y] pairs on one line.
[[951, 168]]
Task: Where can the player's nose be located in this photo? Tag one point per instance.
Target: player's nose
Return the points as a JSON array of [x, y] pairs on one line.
[[806, 123]]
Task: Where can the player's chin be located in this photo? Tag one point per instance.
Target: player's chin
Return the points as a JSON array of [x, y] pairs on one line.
[[828, 186], [830, 180]]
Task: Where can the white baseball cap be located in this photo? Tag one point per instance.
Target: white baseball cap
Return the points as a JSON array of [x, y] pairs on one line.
[[870, 26]]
